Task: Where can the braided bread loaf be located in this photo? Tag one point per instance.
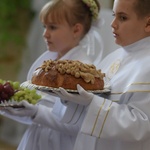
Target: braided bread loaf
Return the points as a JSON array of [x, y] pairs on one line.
[[67, 74]]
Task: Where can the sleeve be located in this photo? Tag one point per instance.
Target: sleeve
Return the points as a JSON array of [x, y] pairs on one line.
[[23, 120], [127, 121], [45, 117], [27, 120], [69, 113]]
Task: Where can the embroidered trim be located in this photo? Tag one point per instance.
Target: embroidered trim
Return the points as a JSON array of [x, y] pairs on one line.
[[113, 69], [73, 114], [105, 119], [98, 116], [76, 109], [79, 115], [93, 7], [140, 83]]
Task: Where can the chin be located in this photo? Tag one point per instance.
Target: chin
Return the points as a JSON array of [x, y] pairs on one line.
[[117, 42]]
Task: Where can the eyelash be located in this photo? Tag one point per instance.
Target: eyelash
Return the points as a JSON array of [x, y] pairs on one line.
[[121, 18], [51, 27]]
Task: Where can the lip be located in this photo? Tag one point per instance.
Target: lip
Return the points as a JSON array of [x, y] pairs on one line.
[[115, 34], [48, 42]]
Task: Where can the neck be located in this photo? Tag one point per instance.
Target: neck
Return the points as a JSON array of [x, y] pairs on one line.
[[62, 53]]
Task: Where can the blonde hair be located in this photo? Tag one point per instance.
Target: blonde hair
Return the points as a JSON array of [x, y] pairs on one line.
[[71, 11]]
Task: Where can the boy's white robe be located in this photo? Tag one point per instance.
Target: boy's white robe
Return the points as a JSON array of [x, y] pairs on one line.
[[121, 120]]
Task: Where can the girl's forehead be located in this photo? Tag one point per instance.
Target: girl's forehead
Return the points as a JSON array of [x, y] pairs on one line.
[[52, 19]]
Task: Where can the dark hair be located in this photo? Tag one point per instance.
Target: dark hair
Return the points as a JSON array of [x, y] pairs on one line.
[[72, 11], [142, 8]]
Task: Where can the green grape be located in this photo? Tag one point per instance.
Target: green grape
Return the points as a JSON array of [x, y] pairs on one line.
[[20, 93], [2, 81], [21, 98], [15, 97], [16, 85], [26, 94], [33, 101]]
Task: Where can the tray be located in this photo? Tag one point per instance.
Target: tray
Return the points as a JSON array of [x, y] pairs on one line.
[[10, 103], [28, 84]]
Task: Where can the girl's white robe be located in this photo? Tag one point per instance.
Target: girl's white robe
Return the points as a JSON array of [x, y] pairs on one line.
[[38, 137]]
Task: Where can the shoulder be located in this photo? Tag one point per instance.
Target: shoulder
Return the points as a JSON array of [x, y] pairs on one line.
[[78, 53], [111, 57]]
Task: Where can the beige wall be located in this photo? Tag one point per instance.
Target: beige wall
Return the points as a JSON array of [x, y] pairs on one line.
[[106, 3]]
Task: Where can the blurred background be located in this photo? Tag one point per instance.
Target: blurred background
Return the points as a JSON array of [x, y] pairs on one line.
[[21, 42]]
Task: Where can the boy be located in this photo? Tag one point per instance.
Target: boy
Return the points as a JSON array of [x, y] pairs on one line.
[[121, 120]]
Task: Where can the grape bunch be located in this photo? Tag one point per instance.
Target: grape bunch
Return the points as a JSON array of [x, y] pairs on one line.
[[10, 90], [26, 94], [6, 91]]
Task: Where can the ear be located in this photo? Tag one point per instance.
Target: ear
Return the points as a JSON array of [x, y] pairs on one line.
[[147, 27], [78, 30]]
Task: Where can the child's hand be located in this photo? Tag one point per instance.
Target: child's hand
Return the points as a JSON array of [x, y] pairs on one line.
[[83, 98], [29, 110]]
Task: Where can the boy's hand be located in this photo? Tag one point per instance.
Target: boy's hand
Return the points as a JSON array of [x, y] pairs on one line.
[[83, 98]]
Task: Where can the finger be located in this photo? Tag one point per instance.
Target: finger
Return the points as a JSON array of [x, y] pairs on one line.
[[54, 93], [64, 92], [12, 111], [58, 93], [81, 90], [8, 108], [24, 104], [4, 111]]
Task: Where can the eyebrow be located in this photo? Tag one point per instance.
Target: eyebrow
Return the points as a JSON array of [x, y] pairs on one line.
[[120, 13]]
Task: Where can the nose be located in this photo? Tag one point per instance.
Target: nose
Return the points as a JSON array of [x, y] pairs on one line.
[[45, 33], [114, 23]]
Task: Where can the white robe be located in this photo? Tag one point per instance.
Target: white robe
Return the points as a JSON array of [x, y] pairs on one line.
[[38, 137], [121, 120]]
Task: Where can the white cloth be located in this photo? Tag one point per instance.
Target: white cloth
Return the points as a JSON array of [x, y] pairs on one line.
[[121, 120]]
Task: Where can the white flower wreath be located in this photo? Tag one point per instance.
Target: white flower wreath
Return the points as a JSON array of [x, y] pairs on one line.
[[93, 7]]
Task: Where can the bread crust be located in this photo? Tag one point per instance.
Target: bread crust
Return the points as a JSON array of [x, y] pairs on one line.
[[53, 78]]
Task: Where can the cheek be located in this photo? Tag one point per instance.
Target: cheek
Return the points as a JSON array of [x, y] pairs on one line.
[[129, 35], [66, 39], [135, 34]]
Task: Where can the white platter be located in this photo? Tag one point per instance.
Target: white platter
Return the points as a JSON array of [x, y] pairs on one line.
[[10, 103], [50, 90]]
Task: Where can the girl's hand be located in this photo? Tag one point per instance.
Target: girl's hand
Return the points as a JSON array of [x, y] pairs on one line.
[[27, 110]]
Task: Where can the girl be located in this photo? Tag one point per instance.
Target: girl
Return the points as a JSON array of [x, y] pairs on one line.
[[70, 33]]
